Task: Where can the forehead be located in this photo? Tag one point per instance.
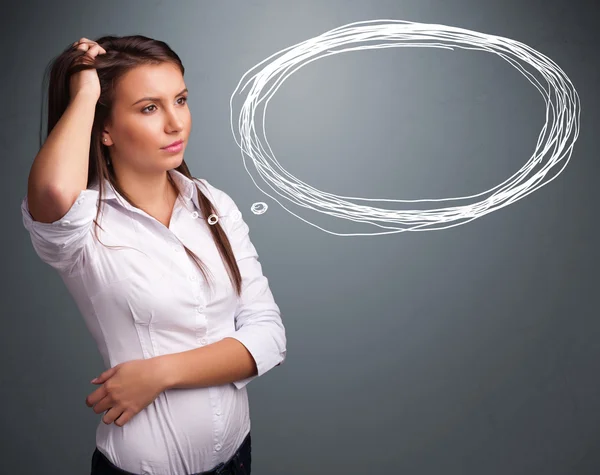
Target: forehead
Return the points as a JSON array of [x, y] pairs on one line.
[[156, 80]]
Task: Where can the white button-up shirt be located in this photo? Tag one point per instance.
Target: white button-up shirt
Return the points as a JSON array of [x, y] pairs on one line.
[[146, 297]]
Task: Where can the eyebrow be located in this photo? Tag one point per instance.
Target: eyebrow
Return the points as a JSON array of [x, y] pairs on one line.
[[156, 98]]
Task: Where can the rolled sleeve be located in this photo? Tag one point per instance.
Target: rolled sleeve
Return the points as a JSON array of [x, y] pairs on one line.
[[258, 323], [61, 243]]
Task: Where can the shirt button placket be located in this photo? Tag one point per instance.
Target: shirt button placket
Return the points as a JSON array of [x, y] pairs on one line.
[[201, 323], [199, 309], [217, 427]]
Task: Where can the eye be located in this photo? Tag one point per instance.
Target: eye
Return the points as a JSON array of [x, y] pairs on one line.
[[146, 109]]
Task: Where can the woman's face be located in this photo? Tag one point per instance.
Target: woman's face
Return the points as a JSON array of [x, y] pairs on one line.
[[139, 128]]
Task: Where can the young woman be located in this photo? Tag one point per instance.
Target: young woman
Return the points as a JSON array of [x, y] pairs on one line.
[[159, 263]]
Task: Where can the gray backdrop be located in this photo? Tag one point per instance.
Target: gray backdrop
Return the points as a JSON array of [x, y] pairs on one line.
[[472, 350]]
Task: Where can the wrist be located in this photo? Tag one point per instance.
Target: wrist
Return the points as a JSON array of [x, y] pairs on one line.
[[164, 371], [85, 96]]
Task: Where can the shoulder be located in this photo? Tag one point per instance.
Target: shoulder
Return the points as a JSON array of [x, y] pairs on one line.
[[217, 196]]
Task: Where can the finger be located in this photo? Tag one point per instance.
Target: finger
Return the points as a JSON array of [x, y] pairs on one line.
[[83, 46], [111, 415], [105, 375], [92, 52], [96, 396], [86, 45], [104, 405], [124, 418], [81, 41], [95, 51]]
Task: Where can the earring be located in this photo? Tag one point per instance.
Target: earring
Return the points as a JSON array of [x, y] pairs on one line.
[[104, 139]]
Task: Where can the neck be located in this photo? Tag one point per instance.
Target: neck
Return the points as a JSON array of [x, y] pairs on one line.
[[149, 191]]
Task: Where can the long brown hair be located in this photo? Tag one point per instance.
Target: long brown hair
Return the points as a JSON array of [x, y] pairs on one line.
[[122, 54]]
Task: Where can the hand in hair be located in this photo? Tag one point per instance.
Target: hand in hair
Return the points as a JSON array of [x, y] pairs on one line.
[[86, 81]]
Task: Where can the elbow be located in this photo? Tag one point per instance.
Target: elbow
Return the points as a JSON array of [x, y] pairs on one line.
[[49, 204]]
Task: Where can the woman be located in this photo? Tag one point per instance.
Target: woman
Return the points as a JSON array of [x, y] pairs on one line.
[[159, 263]]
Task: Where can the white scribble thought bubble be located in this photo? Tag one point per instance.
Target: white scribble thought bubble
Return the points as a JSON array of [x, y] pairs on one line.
[[548, 160]]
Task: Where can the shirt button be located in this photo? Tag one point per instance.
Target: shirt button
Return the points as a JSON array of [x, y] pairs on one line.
[[66, 222], [237, 215], [218, 447], [195, 214], [199, 309], [192, 278], [203, 341], [218, 412]]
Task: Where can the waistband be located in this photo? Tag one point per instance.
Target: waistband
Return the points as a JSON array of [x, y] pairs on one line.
[[224, 468]]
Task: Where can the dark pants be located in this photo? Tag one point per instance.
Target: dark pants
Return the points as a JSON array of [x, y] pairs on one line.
[[238, 464]]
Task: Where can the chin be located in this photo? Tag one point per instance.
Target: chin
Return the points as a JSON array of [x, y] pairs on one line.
[[176, 161]]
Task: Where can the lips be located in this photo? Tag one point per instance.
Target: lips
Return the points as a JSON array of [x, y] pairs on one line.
[[174, 144]]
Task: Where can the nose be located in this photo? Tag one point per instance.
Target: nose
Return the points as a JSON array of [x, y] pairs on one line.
[[174, 121]]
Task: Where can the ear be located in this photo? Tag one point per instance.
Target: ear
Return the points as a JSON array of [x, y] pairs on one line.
[[106, 139]]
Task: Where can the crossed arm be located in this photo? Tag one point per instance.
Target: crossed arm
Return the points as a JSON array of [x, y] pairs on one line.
[[222, 362]]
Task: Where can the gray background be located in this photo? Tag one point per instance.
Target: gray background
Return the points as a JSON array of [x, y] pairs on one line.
[[472, 350]]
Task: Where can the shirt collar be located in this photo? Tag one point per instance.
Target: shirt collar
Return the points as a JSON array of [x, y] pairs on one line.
[[187, 187]]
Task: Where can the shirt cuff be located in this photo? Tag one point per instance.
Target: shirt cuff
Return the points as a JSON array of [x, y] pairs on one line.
[[264, 343]]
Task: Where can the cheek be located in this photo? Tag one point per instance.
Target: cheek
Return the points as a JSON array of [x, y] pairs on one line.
[[142, 134]]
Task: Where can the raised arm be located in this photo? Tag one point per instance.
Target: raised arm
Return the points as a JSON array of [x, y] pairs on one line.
[[60, 169]]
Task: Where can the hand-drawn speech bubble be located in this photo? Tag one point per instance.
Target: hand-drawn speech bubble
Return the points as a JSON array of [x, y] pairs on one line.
[[550, 157]]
